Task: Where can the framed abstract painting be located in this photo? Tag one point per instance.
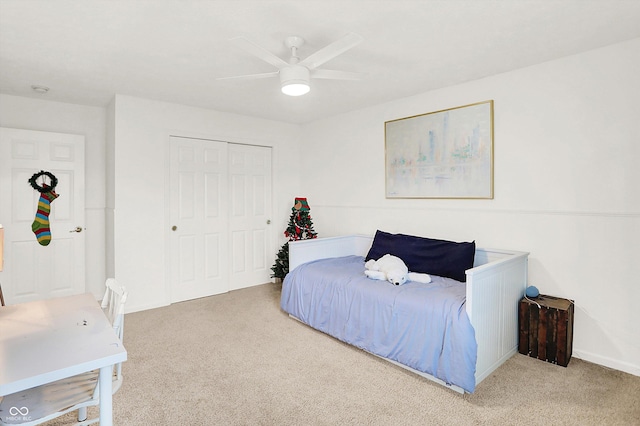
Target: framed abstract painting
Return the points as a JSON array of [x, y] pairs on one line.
[[441, 154]]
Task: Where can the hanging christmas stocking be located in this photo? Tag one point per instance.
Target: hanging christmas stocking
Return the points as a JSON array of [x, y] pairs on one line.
[[40, 225]]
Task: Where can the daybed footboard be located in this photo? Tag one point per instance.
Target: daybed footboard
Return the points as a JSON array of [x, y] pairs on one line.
[[494, 286], [493, 292]]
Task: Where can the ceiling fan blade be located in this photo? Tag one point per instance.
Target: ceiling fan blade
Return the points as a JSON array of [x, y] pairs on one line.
[[332, 50], [259, 51], [250, 76], [337, 75]]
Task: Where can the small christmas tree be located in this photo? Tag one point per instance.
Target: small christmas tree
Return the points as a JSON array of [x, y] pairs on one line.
[[281, 267], [300, 228]]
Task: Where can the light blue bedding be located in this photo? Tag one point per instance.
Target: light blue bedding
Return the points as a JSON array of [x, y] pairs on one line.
[[423, 326]]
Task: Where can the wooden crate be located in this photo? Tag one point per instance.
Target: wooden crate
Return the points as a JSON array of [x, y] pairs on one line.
[[546, 328]]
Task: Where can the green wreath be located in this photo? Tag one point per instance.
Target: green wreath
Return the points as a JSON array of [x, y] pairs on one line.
[[44, 188]]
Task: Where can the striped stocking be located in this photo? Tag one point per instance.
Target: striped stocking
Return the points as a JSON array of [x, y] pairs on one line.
[[40, 225]]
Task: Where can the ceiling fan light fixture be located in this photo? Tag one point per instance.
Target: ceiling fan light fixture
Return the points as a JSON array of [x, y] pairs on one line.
[[296, 89], [295, 73], [294, 80]]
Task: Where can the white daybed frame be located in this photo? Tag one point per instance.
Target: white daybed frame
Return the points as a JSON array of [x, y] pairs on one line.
[[495, 284]]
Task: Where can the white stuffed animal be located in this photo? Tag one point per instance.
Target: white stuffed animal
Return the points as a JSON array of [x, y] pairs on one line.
[[394, 270]]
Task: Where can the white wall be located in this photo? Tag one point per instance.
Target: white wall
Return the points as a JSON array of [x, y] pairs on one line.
[[567, 144], [36, 114], [140, 162]]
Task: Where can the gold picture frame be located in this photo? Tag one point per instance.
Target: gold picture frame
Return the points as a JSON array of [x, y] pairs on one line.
[[441, 154]]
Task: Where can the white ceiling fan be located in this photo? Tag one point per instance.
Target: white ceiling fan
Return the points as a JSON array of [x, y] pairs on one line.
[[296, 74]]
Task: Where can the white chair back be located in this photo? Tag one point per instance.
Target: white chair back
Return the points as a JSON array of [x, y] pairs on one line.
[[115, 297]]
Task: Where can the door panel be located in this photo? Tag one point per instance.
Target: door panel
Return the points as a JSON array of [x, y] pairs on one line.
[[198, 246], [259, 245], [212, 266], [250, 192], [238, 244], [31, 271]]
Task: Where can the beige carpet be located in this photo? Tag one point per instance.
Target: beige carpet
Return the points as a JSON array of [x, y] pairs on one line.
[[237, 359]]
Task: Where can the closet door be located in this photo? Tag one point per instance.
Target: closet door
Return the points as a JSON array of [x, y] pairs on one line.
[[198, 216], [249, 215]]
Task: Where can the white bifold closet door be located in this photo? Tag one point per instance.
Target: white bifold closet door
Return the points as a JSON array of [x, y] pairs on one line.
[[220, 205]]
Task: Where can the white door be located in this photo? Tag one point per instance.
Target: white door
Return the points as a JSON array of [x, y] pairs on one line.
[[33, 271], [198, 217], [249, 215]]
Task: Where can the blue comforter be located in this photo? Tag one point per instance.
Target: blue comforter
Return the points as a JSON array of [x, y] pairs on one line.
[[423, 326]]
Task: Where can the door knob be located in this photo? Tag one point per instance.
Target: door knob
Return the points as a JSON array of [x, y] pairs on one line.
[[174, 228], [78, 229], [268, 221]]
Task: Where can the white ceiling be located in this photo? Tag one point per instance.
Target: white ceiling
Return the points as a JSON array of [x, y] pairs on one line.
[[87, 51]]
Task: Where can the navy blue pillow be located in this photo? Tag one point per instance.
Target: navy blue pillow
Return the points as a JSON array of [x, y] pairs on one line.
[[425, 255]]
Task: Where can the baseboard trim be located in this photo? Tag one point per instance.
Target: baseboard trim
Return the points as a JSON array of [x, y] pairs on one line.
[[137, 308], [607, 362]]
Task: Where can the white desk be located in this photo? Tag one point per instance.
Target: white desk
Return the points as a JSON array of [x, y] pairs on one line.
[[47, 340]]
